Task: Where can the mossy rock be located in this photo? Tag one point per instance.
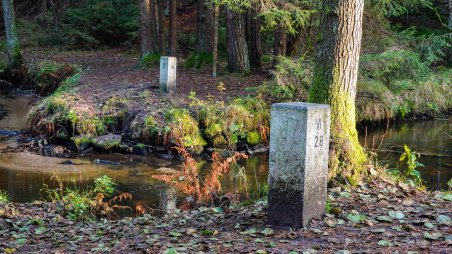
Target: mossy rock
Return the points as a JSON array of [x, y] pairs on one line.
[[253, 138], [219, 142], [195, 140], [107, 142], [183, 126], [139, 149], [213, 130], [82, 143]]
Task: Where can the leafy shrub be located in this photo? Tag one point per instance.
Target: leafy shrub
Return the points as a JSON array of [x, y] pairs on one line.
[[394, 64], [397, 8], [150, 60], [199, 60], [409, 173], [85, 204], [431, 48], [4, 198], [292, 79], [2, 46]]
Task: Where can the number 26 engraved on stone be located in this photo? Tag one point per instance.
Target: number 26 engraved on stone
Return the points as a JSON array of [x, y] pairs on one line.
[[318, 141]]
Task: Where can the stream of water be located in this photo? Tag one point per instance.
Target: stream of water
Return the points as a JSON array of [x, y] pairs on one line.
[[22, 175]]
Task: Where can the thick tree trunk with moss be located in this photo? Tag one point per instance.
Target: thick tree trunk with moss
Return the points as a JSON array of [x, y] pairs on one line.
[[12, 41], [334, 82], [238, 59], [148, 29], [204, 27], [253, 26]]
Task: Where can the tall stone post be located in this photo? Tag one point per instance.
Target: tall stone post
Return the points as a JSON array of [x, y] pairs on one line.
[[168, 67], [298, 173]]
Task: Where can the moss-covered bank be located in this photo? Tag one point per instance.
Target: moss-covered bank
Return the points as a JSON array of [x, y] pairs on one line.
[[164, 121], [65, 114]]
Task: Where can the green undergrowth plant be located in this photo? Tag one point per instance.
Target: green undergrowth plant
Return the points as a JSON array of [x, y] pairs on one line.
[[243, 119], [394, 64], [4, 198], [199, 60], [292, 78], [50, 75], [430, 95], [85, 204], [184, 127], [408, 172], [150, 60]]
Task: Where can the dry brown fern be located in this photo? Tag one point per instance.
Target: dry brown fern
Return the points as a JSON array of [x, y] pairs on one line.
[[191, 184]]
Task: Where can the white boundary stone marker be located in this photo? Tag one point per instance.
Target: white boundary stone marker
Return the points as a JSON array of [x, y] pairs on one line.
[[168, 67], [298, 170]]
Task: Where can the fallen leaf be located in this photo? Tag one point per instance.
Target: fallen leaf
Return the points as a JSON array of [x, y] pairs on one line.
[[397, 214], [385, 243], [384, 218], [432, 236], [267, 232], [443, 219]]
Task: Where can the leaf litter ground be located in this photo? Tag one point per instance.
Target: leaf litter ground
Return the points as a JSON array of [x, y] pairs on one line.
[[379, 217]]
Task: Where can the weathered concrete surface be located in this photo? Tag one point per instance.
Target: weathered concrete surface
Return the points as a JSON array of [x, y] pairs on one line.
[[298, 168], [168, 67]]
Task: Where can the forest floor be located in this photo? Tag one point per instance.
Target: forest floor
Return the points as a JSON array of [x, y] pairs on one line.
[[378, 217], [116, 73]]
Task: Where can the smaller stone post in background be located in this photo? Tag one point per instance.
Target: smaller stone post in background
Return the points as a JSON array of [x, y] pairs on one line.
[[168, 67], [298, 168]]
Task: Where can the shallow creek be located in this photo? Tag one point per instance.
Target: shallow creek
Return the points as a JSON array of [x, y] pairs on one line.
[[22, 175]]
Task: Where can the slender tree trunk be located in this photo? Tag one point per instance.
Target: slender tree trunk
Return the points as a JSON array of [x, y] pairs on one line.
[[161, 24], [204, 27], [280, 42], [334, 82], [12, 41], [148, 39], [238, 60], [172, 39], [216, 14], [253, 26]]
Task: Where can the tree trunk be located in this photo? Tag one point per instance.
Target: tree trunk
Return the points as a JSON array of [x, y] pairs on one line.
[[253, 26], [148, 39], [216, 14], [334, 83], [172, 28], [161, 24], [12, 41], [238, 60], [280, 46], [204, 27]]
